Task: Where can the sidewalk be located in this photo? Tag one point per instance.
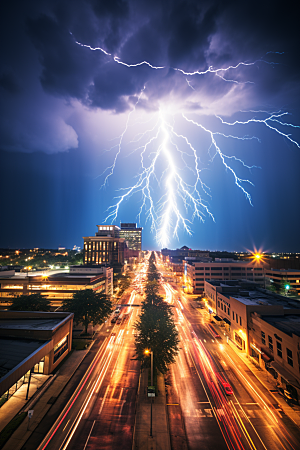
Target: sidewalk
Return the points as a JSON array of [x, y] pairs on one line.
[[160, 439], [18, 400], [42, 403]]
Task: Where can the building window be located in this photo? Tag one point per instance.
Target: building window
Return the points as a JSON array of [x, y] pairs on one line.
[[289, 356], [263, 337], [237, 318], [279, 349], [270, 339], [240, 321], [222, 306], [218, 304], [39, 367], [60, 348], [228, 310], [233, 315]]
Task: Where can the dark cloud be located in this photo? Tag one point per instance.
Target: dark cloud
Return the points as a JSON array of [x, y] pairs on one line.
[[9, 82], [39, 49]]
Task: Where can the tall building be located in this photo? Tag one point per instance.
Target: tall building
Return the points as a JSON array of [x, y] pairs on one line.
[[106, 247], [132, 235]]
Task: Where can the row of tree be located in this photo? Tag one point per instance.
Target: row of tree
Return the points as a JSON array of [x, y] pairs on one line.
[[155, 328]]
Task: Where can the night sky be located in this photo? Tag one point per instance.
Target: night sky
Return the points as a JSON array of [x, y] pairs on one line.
[[65, 107]]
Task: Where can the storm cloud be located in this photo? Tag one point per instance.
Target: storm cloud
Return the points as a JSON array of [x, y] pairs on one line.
[[44, 70]]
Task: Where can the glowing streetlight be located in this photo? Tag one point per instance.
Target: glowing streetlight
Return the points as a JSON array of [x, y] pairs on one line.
[[147, 351], [286, 287]]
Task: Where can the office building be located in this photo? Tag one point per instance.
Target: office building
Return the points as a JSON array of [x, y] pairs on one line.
[[196, 272], [132, 235], [55, 286], [106, 247]]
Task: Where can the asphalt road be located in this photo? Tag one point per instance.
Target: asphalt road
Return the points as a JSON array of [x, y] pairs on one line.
[[101, 412]]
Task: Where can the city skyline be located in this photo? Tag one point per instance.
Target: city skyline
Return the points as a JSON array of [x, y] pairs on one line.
[[66, 107]]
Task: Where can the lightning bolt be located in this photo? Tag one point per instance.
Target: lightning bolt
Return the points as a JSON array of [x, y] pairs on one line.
[[183, 194]]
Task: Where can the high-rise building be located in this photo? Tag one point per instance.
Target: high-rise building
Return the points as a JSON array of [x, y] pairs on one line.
[[106, 247], [132, 235]]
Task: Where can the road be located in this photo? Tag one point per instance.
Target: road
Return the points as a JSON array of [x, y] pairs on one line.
[[202, 414], [101, 412], [249, 418]]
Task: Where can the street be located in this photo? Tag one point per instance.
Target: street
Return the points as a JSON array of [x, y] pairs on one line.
[[213, 399]]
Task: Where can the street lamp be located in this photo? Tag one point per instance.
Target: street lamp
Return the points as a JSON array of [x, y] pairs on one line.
[[151, 354], [287, 287], [147, 351]]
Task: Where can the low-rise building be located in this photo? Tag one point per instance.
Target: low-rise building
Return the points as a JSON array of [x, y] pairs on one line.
[[263, 325], [31, 342], [196, 272], [57, 286], [284, 279], [275, 345], [178, 255]]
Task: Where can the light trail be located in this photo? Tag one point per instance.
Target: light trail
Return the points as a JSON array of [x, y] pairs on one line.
[[168, 161]]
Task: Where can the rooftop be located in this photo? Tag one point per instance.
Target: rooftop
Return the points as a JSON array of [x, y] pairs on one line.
[[249, 293], [289, 324], [14, 351], [29, 324]]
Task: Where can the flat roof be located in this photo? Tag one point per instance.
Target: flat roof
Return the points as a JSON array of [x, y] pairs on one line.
[[246, 294], [29, 324], [289, 323], [14, 351]]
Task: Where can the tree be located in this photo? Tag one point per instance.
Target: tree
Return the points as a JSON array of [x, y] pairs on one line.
[[32, 302], [156, 331], [88, 307]]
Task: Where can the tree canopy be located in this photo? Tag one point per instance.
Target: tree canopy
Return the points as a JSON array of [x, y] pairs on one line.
[[31, 302], [156, 330], [88, 307]]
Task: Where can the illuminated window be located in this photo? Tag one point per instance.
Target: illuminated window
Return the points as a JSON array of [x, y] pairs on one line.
[[60, 348]]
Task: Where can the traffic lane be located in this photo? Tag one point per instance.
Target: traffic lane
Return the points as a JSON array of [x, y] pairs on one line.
[[60, 402], [178, 436], [70, 417], [235, 433], [109, 420], [265, 414], [260, 414], [201, 426]]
